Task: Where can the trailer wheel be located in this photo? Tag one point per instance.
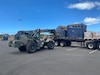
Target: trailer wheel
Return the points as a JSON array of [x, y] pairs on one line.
[[62, 43], [56, 43], [68, 43], [91, 45], [31, 47], [22, 48], [50, 45], [98, 46]]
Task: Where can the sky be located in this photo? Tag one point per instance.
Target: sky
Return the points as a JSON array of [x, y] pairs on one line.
[[18, 15]]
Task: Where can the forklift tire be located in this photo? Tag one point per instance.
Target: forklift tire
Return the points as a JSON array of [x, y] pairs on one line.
[[91, 45], [9, 43], [50, 45], [22, 48], [31, 47], [43, 47], [98, 46]]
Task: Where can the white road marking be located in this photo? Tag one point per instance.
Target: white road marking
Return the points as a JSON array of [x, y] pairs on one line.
[[71, 49], [92, 51]]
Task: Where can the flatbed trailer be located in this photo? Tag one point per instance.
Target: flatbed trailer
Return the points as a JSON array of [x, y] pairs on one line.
[[87, 43], [66, 42], [77, 33]]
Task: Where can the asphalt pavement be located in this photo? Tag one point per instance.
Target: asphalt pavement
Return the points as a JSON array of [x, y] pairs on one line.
[[72, 60]]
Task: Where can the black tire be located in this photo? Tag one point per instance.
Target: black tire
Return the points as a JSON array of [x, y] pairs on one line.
[[9, 43], [68, 43], [50, 45], [31, 47], [62, 43], [43, 47], [91, 45], [98, 46], [56, 43], [22, 48]]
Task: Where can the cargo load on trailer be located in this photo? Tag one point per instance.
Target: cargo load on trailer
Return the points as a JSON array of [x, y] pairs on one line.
[[77, 33], [61, 31], [73, 32]]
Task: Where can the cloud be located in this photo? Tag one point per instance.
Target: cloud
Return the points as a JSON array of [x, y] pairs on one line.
[[91, 21], [85, 5]]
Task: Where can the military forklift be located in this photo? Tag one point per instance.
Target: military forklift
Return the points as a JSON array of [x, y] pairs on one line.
[[31, 41]]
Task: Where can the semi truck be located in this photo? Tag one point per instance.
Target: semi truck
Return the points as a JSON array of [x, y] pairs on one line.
[[65, 35]]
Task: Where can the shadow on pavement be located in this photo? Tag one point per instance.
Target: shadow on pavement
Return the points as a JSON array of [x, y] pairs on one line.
[[25, 52]]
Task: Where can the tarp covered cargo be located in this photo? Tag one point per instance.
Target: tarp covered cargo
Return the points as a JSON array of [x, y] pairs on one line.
[[62, 28], [61, 31], [76, 31]]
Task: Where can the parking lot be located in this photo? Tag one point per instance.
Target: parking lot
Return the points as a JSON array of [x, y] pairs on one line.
[[72, 60]]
